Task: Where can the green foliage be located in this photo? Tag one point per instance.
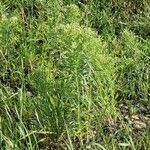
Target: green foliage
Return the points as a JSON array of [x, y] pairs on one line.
[[112, 17], [133, 72], [65, 67], [72, 14]]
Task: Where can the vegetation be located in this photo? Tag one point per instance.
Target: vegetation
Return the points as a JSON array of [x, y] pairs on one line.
[[75, 74]]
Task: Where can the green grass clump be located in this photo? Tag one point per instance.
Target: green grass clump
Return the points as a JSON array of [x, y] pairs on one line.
[[112, 17], [134, 72], [74, 75]]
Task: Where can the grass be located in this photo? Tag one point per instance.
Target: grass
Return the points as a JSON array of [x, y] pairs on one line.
[[74, 75]]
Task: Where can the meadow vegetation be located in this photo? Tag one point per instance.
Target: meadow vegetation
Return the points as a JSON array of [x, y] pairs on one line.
[[75, 74]]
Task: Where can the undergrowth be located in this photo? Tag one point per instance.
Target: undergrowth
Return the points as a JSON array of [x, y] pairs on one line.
[[74, 74]]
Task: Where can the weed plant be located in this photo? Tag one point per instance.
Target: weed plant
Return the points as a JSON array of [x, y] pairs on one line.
[[74, 74]]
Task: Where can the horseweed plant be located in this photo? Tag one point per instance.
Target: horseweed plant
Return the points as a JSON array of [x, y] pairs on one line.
[[74, 74]]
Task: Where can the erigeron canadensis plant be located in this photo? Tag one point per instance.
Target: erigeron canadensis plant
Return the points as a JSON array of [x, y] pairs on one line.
[[72, 14], [60, 80], [133, 75], [82, 80]]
